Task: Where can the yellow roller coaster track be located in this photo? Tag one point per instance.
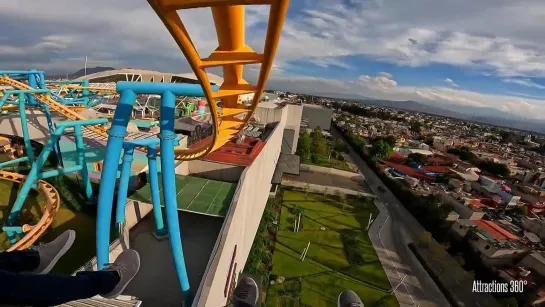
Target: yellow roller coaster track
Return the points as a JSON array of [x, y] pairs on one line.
[[53, 105], [32, 233], [231, 54], [99, 90]]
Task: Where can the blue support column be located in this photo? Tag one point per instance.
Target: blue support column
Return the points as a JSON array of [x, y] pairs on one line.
[[168, 139], [160, 232], [85, 93], [30, 180], [117, 133], [32, 83], [24, 127], [123, 186], [80, 148], [51, 128], [41, 80]]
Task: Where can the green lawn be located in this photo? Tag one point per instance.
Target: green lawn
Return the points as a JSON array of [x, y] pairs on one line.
[[195, 194], [326, 270], [331, 163], [84, 225]]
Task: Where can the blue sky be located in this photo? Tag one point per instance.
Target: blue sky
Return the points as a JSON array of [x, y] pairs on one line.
[[486, 53]]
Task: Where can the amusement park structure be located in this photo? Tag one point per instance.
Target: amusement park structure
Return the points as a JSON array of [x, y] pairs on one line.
[[29, 89]]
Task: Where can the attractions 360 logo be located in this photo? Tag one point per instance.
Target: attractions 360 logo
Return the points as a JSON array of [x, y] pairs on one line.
[[514, 286]]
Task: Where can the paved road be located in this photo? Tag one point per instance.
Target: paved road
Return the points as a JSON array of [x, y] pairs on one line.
[[391, 233]]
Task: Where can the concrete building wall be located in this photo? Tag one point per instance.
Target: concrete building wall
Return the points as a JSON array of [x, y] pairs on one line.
[[287, 141], [266, 114], [534, 225], [293, 121], [534, 261], [464, 211], [317, 116], [210, 170], [240, 226], [495, 255]]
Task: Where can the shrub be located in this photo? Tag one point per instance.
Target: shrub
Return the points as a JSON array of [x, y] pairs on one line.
[[259, 253], [272, 229], [386, 301], [266, 258], [353, 247]]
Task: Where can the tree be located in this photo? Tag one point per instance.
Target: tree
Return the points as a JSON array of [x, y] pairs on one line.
[[417, 158], [494, 168], [415, 126], [381, 150], [509, 137], [304, 146], [424, 239], [319, 144], [509, 302], [307, 189], [386, 301], [521, 210], [465, 154], [340, 145], [391, 140], [429, 141]]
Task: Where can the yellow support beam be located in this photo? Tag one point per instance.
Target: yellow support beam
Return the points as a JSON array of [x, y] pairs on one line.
[[231, 54], [193, 4]]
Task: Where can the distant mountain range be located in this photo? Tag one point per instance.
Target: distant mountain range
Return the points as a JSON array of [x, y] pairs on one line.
[[81, 72], [489, 116]]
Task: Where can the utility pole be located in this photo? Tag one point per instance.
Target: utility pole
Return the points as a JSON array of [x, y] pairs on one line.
[[85, 67]]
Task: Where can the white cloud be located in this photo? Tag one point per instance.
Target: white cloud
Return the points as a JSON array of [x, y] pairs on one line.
[[496, 37], [385, 74], [383, 81], [524, 82], [407, 33], [377, 87], [451, 82]]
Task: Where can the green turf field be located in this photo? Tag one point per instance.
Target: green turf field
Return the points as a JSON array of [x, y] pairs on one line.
[[84, 225], [195, 194], [326, 270]]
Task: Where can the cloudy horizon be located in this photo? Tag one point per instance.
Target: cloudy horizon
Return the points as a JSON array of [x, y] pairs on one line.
[[489, 54]]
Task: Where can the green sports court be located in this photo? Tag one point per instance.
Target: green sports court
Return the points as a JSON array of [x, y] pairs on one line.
[[194, 194]]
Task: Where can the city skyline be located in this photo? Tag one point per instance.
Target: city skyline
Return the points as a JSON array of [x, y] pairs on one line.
[[487, 54]]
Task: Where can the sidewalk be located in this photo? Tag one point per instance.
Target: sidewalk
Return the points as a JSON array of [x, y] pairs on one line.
[[389, 260]]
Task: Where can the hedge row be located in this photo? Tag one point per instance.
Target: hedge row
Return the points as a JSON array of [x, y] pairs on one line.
[[260, 258]]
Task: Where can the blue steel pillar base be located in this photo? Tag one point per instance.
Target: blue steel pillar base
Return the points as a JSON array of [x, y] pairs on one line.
[[160, 235], [188, 299], [93, 201]]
